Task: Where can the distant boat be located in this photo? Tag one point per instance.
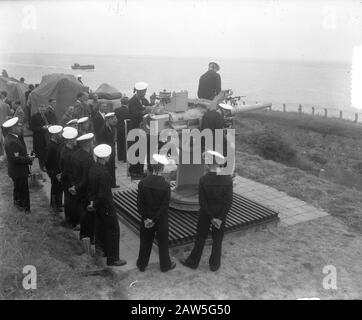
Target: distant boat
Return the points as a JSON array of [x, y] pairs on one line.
[[82, 67]]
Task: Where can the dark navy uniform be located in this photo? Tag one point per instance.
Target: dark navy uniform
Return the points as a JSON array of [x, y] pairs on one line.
[[106, 222], [98, 123], [66, 165], [81, 163], [136, 108], [106, 135], [52, 167], [209, 85], [40, 135], [18, 169], [215, 198], [122, 114], [153, 201]]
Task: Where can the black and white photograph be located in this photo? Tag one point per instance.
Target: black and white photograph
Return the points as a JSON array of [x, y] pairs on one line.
[[195, 151]]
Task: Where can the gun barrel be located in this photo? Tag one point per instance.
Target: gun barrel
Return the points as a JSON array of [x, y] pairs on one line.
[[250, 107]]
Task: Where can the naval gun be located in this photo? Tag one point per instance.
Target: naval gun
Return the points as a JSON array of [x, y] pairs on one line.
[[176, 111]]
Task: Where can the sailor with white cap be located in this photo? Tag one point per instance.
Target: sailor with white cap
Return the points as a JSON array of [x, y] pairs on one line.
[[72, 123], [138, 106], [52, 167], [153, 201], [210, 83], [66, 165], [83, 125], [106, 135], [101, 200], [18, 163], [215, 198], [82, 160]]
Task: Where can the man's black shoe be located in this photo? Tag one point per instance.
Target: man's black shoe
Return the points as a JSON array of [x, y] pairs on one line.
[[172, 266], [141, 269], [117, 263], [184, 263], [215, 268]]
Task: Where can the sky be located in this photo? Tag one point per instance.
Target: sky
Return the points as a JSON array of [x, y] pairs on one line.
[[261, 29]]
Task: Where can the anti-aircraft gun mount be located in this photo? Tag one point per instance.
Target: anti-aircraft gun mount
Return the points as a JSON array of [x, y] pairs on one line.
[[176, 111]]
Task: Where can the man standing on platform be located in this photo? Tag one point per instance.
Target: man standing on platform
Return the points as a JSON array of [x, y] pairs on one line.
[[210, 83], [98, 120], [107, 136], [52, 167], [152, 201], [215, 198], [18, 163], [137, 107], [101, 201], [65, 163]]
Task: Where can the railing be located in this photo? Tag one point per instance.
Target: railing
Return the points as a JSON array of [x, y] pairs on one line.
[[317, 111]]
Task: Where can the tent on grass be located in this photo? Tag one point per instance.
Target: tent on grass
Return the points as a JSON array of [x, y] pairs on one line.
[[61, 87], [106, 91], [15, 89]]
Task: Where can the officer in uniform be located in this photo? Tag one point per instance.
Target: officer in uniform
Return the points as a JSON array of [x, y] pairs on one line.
[[122, 114], [210, 83], [137, 107], [215, 198], [18, 163], [81, 161], [101, 204], [52, 167], [153, 201], [106, 135], [99, 120], [65, 163]]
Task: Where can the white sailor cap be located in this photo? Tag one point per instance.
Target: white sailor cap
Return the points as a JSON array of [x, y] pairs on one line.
[[102, 151], [82, 120], [69, 133], [85, 137], [55, 129], [72, 121], [109, 115], [11, 122], [225, 106], [141, 85], [160, 158], [214, 155], [79, 76]]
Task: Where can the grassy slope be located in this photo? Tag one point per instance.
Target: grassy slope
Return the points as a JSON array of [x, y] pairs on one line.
[[339, 147]]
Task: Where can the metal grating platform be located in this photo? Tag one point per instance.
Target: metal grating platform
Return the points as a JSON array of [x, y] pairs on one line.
[[244, 214]]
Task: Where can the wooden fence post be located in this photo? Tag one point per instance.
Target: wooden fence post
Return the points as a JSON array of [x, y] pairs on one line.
[[300, 108], [326, 112], [340, 114], [284, 107], [356, 117], [243, 102], [313, 111]]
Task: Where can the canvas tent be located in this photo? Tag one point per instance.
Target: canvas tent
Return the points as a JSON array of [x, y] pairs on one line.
[[15, 89], [61, 87], [106, 91]]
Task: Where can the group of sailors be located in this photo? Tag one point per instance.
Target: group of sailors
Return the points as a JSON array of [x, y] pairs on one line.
[[79, 157]]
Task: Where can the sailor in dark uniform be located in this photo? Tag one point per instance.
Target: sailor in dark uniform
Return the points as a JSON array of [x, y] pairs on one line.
[[210, 83], [122, 114], [101, 204], [138, 107], [65, 164], [83, 126], [52, 167], [107, 136], [215, 198], [99, 121], [18, 163], [153, 201], [39, 124], [82, 160], [214, 120]]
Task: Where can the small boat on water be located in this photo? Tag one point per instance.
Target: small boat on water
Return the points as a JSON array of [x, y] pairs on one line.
[[82, 67]]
